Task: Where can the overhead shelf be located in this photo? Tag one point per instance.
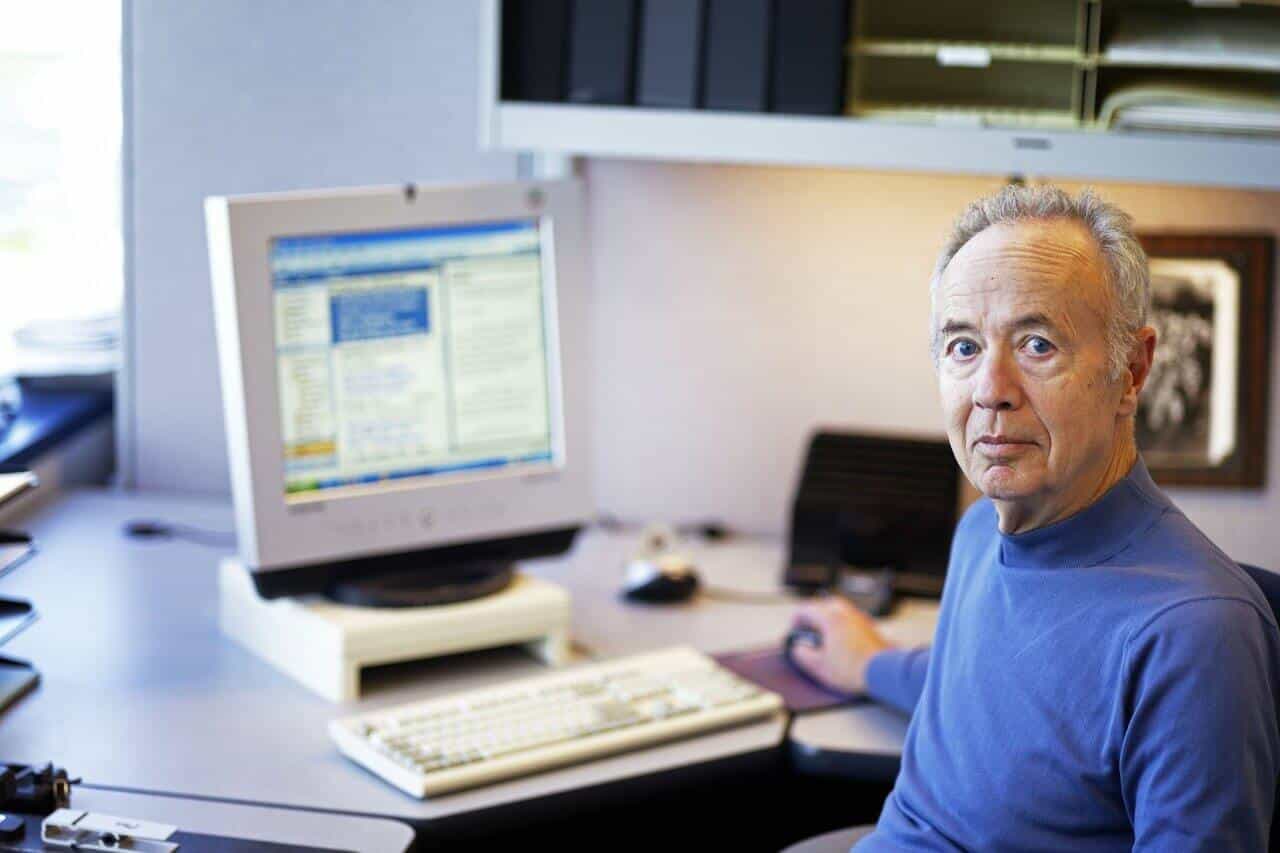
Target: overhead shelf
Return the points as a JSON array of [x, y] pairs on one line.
[[842, 142], [1128, 90]]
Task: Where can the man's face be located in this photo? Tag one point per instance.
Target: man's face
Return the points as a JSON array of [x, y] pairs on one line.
[[1031, 414]]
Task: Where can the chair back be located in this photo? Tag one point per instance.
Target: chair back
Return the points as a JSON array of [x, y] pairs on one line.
[[1269, 583]]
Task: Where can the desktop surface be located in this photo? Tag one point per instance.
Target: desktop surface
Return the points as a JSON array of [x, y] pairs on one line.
[[142, 691]]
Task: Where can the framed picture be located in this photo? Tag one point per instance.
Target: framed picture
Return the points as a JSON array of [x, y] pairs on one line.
[[1202, 418]]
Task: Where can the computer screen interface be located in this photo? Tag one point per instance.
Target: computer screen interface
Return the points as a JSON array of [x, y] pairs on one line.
[[410, 354]]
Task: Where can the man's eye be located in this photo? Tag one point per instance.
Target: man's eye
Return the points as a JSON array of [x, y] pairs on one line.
[[964, 348], [1038, 345]]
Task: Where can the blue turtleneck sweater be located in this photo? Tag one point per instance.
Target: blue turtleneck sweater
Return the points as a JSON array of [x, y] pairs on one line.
[[1108, 682]]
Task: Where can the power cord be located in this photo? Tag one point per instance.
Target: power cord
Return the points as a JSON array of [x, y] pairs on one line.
[[144, 528], [710, 529], [743, 596]]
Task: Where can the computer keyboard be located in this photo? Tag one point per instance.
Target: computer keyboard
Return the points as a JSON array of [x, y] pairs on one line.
[[590, 711]]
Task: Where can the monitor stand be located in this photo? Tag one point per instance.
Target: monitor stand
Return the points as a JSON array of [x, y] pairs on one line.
[[462, 582], [324, 644]]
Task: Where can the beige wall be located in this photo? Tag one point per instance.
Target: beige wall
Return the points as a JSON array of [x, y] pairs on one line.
[[736, 308]]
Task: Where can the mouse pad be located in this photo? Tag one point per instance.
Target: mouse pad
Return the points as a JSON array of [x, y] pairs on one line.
[[769, 669]]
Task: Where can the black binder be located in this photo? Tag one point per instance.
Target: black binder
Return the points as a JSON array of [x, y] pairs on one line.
[[670, 54], [808, 56], [602, 39], [736, 70], [534, 35]]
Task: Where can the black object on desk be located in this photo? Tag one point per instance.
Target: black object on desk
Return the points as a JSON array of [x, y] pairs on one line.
[[15, 615], [17, 677], [15, 549], [873, 510], [34, 789], [660, 580]]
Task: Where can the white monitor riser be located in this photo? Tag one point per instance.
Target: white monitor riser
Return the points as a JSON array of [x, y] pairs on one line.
[[323, 645]]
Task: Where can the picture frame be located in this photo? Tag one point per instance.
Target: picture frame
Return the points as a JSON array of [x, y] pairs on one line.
[[1202, 416]]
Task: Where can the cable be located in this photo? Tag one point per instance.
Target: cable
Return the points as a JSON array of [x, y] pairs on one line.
[[742, 596], [145, 528], [710, 529]]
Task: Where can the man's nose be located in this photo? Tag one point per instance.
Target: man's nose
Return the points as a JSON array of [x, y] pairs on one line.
[[999, 385]]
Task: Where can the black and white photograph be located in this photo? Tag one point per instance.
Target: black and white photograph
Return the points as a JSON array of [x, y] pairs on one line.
[[1187, 411], [1202, 415]]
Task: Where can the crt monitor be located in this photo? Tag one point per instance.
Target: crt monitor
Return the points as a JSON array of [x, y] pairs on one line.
[[402, 381]]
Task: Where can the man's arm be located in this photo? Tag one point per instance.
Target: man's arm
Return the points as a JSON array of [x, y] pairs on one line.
[[1199, 754], [896, 677]]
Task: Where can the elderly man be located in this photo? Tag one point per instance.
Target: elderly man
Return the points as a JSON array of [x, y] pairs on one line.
[[1102, 677]]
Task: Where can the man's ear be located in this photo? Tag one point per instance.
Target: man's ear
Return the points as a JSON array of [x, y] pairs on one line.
[[1141, 356]]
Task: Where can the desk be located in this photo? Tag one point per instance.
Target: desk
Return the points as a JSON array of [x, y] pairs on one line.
[[863, 741], [141, 691]]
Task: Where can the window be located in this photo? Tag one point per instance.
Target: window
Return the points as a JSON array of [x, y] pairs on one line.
[[61, 246]]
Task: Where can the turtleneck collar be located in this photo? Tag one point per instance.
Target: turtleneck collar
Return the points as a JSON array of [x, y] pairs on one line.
[[1095, 533]]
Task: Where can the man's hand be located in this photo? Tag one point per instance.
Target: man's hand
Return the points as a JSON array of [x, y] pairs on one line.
[[849, 641]]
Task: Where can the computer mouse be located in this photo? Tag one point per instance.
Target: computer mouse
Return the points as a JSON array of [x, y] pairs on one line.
[[801, 635], [660, 579]]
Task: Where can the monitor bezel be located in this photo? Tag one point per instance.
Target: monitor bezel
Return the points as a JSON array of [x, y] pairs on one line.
[[423, 513]]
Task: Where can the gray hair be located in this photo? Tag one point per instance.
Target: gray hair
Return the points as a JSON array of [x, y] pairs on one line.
[[1122, 256]]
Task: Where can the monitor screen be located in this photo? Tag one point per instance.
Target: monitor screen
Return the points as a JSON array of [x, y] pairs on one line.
[[407, 356]]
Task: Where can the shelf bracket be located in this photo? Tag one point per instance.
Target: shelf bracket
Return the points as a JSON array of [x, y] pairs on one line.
[[542, 166]]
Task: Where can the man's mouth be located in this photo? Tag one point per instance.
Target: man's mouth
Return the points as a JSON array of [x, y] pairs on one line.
[[998, 445]]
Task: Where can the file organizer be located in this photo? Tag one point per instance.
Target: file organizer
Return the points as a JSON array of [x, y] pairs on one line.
[[1000, 62], [1178, 67]]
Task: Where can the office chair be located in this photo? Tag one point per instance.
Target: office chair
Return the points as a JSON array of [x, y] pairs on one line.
[[842, 839], [1269, 583], [831, 842]]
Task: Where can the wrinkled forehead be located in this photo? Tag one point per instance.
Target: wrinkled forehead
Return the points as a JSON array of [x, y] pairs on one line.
[[1052, 266]]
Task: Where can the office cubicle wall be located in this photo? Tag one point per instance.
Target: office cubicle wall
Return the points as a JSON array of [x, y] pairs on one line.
[[737, 307], [235, 96]]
